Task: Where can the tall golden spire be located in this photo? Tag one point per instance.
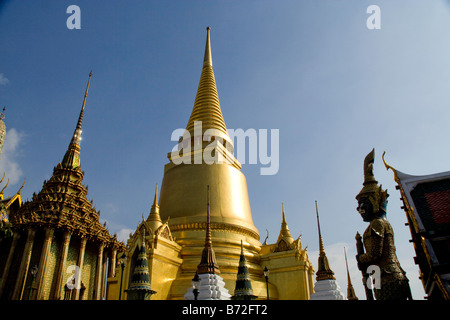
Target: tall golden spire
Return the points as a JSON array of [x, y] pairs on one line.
[[230, 213], [72, 157], [206, 106], [351, 295], [324, 271], [208, 262]]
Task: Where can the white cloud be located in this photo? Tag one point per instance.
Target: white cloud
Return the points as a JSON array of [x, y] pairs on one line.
[[3, 79], [111, 207], [124, 234], [8, 158]]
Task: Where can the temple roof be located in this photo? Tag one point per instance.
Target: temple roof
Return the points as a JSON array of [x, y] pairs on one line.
[[62, 202], [8, 206], [426, 201]]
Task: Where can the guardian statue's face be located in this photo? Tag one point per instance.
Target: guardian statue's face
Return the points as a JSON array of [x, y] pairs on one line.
[[365, 209]]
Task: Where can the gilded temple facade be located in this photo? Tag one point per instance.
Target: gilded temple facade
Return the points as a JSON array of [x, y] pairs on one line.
[[58, 249], [176, 225]]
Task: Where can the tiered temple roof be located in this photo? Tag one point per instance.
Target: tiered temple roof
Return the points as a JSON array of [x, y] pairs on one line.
[[62, 202]]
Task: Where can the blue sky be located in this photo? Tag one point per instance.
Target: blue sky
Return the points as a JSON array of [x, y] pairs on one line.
[[311, 69]]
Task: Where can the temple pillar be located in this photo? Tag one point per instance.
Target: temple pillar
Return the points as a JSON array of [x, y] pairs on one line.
[[112, 263], [103, 279], [62, 264], [9, 260], [24, 264], [80, 266], [40, 279], [98, 272]]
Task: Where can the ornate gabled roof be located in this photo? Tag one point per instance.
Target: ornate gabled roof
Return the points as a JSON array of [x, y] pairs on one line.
[[161, 231], [8, 201], [8, 207], [11, 203], [426, 201], [153, 225], [206, 106], [62, 202]]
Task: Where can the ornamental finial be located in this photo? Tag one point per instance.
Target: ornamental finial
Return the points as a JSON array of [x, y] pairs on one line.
[[207, 60]]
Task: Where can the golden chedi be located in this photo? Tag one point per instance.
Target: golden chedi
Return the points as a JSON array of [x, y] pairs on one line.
[[182, 192], [176, 226]]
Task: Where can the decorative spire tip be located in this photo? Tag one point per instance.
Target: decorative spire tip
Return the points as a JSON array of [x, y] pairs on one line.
[[207, 61]]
